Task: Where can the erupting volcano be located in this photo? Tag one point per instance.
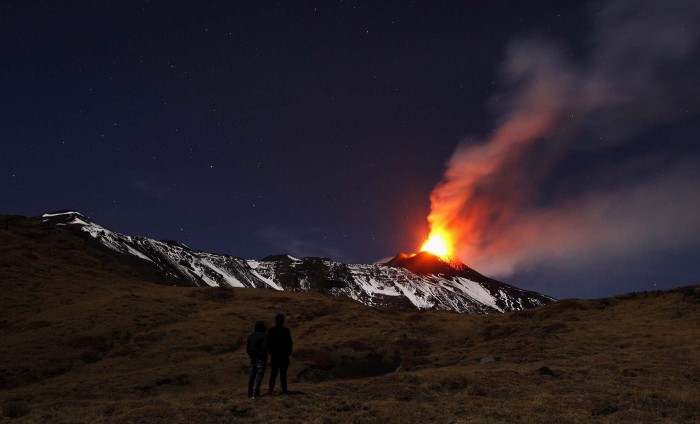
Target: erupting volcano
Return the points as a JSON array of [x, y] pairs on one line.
[[439, 243], [435, 256], [408, 281]]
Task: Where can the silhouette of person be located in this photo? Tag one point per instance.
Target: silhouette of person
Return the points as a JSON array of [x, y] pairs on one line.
[[279, 344], [256, 347]]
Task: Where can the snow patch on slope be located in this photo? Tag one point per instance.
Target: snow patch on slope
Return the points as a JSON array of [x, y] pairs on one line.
[[478, 293], [373, 285]]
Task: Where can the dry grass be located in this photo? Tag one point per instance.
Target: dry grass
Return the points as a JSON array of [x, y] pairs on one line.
[[85, 339]]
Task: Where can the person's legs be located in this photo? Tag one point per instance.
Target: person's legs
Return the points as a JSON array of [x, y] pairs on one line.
[[284, 364], [259, 376], [251, 378], [274, 369], [283, 379]]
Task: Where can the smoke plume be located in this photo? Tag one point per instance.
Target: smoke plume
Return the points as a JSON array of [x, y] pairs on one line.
[[589, 158]]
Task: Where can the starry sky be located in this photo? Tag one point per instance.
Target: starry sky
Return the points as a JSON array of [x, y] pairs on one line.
[[322, 128]]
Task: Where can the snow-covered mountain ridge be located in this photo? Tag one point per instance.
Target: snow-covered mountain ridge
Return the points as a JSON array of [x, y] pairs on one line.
[[422, 281]]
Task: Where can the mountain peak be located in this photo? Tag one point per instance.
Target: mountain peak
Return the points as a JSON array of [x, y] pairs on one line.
[[61, 212], [281, 257], [66, 217], [425, 263]]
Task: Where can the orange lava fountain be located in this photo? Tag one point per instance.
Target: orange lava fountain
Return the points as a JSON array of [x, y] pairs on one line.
[[439, 243]]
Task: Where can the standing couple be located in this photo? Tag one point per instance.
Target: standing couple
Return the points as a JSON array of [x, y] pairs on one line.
[[278, 343]]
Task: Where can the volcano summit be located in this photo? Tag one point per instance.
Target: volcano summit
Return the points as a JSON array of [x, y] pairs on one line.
[[421, 281]]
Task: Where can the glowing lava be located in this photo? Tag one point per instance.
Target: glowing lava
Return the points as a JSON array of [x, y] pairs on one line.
[[439, 243]]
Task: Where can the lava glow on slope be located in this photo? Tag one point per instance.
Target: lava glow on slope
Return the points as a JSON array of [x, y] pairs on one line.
[[439, 243]]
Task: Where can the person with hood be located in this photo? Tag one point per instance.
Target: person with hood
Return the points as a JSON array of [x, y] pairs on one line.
[[256, 348], [279, 344]]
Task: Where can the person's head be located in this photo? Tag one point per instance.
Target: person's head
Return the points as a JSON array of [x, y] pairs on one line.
[[279, 320], [260, 327]]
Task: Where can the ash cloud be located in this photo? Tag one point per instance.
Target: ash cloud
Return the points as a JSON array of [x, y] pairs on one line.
[[590, 160]]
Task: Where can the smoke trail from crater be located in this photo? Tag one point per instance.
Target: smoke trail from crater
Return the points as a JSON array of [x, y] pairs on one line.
[[584, 162]]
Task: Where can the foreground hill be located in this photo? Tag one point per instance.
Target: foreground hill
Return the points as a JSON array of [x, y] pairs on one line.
[[84, 338], [421, 281]]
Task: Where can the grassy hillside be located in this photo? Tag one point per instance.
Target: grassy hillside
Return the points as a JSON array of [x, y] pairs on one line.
[[84, 338]]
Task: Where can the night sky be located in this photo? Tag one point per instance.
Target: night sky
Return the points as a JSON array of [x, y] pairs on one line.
[[321, 129]]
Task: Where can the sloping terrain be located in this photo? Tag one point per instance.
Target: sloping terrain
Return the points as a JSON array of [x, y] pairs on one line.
[[84, 338], [438, 285]]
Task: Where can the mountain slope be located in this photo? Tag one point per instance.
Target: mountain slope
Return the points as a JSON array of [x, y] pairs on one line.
[[83, 340], [399, 283]]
